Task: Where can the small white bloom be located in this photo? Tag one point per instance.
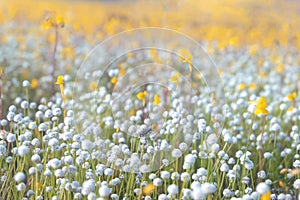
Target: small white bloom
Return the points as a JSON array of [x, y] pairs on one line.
[[173, 189], [19, 177], [262, 188]]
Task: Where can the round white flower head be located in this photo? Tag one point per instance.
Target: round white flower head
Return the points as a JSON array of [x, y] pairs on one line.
[[21, 187], [35, 158], [162, 197], [173, 189], [165, 175], [19, 177], [208, 188], [176, 153], [11, 137], [104, 191], [198, 194], [157, 182], [26, 83], [88, 187], [297, 184], [262, 188], [23, 150]]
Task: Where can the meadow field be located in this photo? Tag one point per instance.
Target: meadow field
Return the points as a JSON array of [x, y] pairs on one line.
[[160, 99]]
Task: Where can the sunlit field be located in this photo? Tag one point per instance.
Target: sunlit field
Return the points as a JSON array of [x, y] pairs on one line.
[[166, 100]]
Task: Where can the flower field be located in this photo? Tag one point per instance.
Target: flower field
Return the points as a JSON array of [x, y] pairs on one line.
[[162, 100]]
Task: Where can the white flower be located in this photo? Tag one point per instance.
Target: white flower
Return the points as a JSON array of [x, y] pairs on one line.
[[261, 174], [114, 196], [227, 193], [19, 177], [176, 153], [297, 184], [23, 150], [175, 176], [262, 188], [173, 189], [208, 188], [162, 197], [59, 173], [88, 187], [29, 193], [224, 167], [152, 176], [108, 172], [201, 125], [26, 83], [32, 171], [54, 163], [157, 182], [2, 150], [87, 145], [11, 137], [21, 187], [198, 194], [185, 177], [165, 175], [35, 158], [104, 191]]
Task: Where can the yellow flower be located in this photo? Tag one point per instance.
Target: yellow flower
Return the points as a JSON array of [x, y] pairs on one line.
[[93, 86], [252, 86], [48, 23], [60, 80], [280, 68], [60, 21], [122, 70], [141, 95], [290, 109], [156, 100], [34, 83], [266, 196], [174, 78], [242, 86], [261, 105], [147, 190], [291, 97], [114, 80]]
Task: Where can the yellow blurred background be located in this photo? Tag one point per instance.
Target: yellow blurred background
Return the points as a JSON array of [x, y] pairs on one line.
[[229, 22]]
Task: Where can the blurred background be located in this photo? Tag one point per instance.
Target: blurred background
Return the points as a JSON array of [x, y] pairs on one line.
[[228, 22]]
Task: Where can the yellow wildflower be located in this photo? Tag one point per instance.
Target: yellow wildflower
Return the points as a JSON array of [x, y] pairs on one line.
[[147, 190], [290, 109], [122, 70], [114, 80], [48, 23], [60, 21], [60, 80], [93, 86], [141, 95], [261, 105], [34, 83], [280, 68], [266, 196], [174, 78], [252, 86], [291, 97], [156, 100], [242, 86]]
